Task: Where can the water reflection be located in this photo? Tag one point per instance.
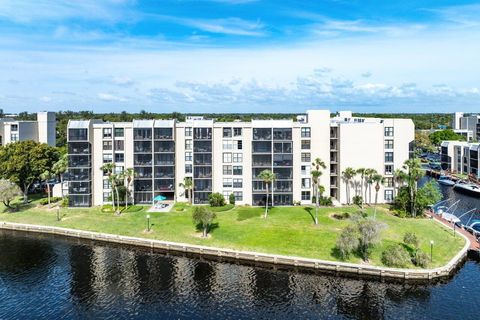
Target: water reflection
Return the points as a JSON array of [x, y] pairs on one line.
[[95, 280]]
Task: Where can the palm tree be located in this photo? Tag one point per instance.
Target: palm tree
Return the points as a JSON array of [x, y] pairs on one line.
[[59, 168], [112, 178], [268, 177], [378, 179], [398, 179], [370, 173], [45, 176], [187, 185], [318, 164], [347, 176], [414, 173], [362, 172], [128, 175]]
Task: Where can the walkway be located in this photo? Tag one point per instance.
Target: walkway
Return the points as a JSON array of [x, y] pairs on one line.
[[474, 244]]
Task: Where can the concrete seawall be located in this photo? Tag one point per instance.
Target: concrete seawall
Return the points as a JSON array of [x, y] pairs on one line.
[[313, 264]]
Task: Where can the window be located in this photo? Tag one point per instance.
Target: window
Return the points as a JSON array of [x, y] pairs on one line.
[[188, 144], [107, 145], [238, 195], [227, 182], [14, 137], [227, 157], [306, 183], [388, 156], [227, 170], [237, 183], [119, 145], [107, 197], [305, 144], [119, 132], [14, 127], [388, 182], [388, 131], [188, 132], [106, 184], [119, 157], [305, 170], [237, 132], [227, 132], [305, 132], [107, 158], [389, 169], [118, 170], [188, 156], [388, 144], [188, 168], [388, 195], [305, 195], [239, 144], [237, 170], [227, 144], [306, 157], [107, 133], [226, 194], [237, 157], [77, 134]]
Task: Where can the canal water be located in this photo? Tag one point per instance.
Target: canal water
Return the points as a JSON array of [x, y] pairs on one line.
[[42, 276]]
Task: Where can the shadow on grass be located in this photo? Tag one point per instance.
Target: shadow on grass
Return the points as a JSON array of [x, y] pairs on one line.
[[310, 212], [210, 228], [18, 207], [247, 214]]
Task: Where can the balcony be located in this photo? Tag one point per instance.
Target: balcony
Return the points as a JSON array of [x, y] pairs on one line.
[[75, 161]]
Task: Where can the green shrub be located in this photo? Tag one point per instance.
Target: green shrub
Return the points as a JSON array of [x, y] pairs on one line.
[[44, 201], [223, 208], [396, 256], [341, 216], [358, 200], [422, 259], [216, 200], [231, 198], [347, 241]]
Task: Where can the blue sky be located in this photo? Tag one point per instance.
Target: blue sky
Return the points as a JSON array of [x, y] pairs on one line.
[[239, 55]]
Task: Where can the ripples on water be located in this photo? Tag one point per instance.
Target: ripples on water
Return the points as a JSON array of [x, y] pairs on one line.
[[47, 277]]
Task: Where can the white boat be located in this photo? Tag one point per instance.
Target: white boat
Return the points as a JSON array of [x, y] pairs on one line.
[[450, 217], [446, 181], [468, 188]]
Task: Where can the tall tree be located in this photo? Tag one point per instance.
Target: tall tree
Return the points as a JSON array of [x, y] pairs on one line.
[[59, 168], [362, 172], [318, 165], [8, 192], [268, 177], [46, 176], [347, 177], [398, 179], [369, 174], [128, 175], [109, 168], [414, 172], [23, 162], [378, 179], [187, 185], [203, 217]]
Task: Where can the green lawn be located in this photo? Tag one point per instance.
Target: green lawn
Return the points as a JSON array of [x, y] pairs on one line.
[[287, 230]]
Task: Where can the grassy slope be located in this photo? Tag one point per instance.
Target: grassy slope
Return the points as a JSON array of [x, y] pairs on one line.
[[288, 230]]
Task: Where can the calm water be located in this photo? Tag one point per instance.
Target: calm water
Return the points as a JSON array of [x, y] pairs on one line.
[[46, 277]]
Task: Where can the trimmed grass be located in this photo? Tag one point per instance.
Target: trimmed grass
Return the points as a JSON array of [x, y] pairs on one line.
[[286, 231]]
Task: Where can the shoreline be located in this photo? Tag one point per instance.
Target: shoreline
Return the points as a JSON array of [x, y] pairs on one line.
[[250, 256]]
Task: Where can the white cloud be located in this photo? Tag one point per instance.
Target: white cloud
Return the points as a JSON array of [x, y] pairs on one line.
[[123, 81], [110, 97], [45, 99]]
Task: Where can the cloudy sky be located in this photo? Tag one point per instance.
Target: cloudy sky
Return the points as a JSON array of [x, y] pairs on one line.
[[240, 55]]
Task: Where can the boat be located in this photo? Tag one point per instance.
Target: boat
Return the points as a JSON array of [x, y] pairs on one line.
[[451, 218], [474, 227], [467, 188], [446, 181]]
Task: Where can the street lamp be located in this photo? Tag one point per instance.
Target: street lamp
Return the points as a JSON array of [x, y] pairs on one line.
[[431, 250], [148, 222]]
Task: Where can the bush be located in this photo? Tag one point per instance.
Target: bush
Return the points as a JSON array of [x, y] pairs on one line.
[[322, 201], [347, 242], [411, 239], [396, 256], [44, 201], [422, 259], [341, 216], [231, 199], [358, 200], [216, 200]]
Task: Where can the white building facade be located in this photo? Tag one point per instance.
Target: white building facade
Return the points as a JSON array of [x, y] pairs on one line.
[[227, 157], [460, 157], [42, 130]]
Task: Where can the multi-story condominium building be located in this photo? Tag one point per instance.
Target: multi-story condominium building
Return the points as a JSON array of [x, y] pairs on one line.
[[460, 157], [43, 130], [227, 157], [468, 126]]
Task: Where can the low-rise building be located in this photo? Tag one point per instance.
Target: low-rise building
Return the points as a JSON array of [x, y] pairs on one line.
[[467, 126], [227, 157], [42, 130], [460, 157]]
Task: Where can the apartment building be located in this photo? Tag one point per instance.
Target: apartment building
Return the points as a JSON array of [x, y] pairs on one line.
[[42, 130], [468, 126], [227, 157], [460, 157]]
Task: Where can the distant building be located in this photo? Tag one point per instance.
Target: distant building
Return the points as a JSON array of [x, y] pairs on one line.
[[226, 157], [468, 126], [460, 157], [42, 130]]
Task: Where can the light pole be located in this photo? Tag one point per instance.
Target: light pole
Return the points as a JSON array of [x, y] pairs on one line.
[[431, 250], [148, 222]]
